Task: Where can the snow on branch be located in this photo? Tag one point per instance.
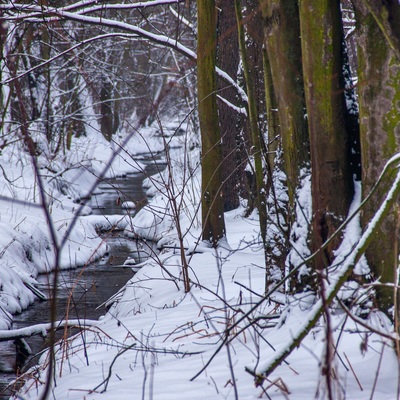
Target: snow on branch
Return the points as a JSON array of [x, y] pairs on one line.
[[336, 282], [84, 5], [181, 18], [239, 110], [227, 78], [43, 329], [129, 6], [54, 14]]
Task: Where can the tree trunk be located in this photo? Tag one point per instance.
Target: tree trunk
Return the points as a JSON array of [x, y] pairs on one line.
[[212, 201], [331, 182], [253, 22], [282, 39], [379, 96], [271, 108], [228, 61], [107, 124]]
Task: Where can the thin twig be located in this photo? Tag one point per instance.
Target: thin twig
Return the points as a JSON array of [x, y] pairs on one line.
[[377, 371], [354, 373], [107, 380]]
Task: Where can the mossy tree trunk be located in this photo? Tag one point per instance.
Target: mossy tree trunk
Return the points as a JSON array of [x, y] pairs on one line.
[[212, 201], [285, 104], [282, 40], [379, 98], [331, 179], [387, 16]]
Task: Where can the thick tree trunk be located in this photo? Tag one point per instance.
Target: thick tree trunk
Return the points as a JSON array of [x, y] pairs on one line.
[[379, 95], [282, 39], [332, 190], [212, 201], [228, 61]]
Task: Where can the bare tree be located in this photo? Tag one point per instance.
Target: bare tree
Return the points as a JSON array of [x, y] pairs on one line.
[[212, 200]]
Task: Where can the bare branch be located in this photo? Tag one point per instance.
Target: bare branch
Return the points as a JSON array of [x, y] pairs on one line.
[[84, 42]]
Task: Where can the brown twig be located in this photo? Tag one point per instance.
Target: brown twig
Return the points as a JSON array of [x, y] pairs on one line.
[[352, 370]]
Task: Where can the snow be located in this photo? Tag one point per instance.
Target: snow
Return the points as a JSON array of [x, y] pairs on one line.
[[156, 341], [299, 237], [42, 329], [128, 205]]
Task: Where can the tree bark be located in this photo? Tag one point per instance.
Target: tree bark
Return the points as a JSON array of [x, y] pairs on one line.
[[331, 181], [282, 40], [253, 22], [379, 96], [228, 61], [271, 108], [387, 17], [212, 201]]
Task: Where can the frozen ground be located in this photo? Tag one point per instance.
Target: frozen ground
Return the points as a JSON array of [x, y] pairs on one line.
[[158, 342]]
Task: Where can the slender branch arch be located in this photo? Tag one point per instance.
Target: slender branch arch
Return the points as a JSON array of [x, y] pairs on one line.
[[93, 4]]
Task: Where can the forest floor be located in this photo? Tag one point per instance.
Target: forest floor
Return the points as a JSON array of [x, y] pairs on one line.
[[156, 341]]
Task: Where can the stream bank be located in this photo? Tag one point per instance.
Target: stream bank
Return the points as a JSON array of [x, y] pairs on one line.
[[83, 291]]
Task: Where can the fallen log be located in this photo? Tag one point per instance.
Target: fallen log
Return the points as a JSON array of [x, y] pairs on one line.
[[43, 329]]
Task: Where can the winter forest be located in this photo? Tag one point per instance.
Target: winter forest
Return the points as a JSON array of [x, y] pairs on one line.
[[234, 164]]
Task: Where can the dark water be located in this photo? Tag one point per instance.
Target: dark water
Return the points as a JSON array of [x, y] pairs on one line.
[[82, 291]]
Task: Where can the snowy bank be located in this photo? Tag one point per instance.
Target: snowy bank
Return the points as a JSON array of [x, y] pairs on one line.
[[26, 242]]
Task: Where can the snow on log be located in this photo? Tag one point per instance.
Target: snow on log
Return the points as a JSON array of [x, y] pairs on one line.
[[42, 329]]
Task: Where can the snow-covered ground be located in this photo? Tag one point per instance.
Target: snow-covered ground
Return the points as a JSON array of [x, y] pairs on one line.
[[158, 342]]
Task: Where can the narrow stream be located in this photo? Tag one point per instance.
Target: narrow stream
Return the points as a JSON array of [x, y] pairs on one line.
[[90, 286]]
